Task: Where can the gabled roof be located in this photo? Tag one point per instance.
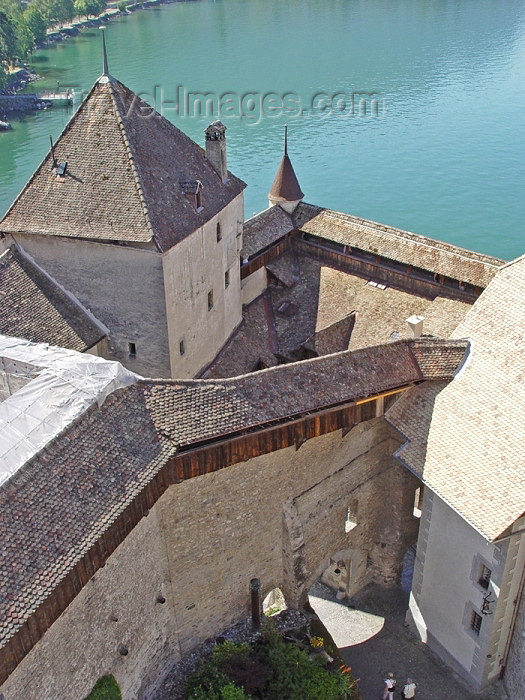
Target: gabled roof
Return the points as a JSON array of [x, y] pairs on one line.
[[396, 244], [139, 428], [36, 308], [264, 229], [125, 166], [466, 439]]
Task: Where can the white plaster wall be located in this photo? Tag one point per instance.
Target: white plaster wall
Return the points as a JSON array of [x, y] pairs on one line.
[[515, 671], [446, 588], [192, 269], [82, 645], [253, 286], [124, 289]]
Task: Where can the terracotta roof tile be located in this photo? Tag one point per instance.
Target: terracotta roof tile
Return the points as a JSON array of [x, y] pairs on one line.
[[320, 306], [466, 441], [265, 228], [54, 509], [34, 307], [395, 244], [125, 166], [285, 187]]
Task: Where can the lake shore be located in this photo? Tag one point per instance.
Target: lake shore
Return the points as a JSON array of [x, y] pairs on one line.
[[10, 99]]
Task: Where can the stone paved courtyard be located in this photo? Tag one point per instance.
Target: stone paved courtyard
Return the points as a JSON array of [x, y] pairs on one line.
[[374, 640]]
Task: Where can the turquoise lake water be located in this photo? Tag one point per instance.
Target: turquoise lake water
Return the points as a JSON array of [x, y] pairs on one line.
[[441, 152]]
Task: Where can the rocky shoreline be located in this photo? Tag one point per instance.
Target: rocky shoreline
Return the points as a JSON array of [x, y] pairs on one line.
[[12, 101]]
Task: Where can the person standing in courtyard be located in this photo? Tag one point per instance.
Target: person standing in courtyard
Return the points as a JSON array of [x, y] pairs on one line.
[[409, 691], [390, 686]]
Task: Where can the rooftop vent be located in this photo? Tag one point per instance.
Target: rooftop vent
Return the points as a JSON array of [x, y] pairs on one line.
[[415, 326]]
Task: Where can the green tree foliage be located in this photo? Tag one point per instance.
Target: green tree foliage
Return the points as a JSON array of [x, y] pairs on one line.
[[36, 22], [23, 25], [25, 39], [7, 38], [106, 688], [89, 7], [56, 11]]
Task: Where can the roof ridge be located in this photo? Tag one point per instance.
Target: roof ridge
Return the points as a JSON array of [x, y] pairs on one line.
[[379, 228], [131, 157]]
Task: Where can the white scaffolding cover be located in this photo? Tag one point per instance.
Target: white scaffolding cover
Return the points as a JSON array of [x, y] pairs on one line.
[[51, 386]]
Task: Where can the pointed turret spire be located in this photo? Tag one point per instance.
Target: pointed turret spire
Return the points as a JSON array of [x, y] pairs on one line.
[[106, 77], [285, 189]]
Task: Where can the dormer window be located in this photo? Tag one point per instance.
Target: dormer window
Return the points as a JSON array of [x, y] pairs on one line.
[[192, 190]]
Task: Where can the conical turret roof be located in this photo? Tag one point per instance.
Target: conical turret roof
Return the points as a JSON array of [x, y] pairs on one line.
[[285, 187], [126, 177]]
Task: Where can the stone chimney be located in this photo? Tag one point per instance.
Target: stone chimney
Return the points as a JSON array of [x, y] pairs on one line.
[[216, 148]]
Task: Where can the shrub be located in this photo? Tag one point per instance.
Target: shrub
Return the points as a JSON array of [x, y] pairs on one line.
[[230, 653], [273, 669], [106, 688], [233, 692], [295, 677], [206, 683]]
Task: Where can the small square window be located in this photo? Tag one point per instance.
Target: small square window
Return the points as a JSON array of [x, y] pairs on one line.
[[475, 622], [484, 576], [219, 232], [226, 279], [210, 300], [182, 349], [132, 349]]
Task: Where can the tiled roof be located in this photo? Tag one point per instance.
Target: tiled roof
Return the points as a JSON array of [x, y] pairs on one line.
[[467, 440], [125, 166], [395, 244], [55, 509], [315, 300], [264, 229], [333, 338], [34, 307], [285, 187]]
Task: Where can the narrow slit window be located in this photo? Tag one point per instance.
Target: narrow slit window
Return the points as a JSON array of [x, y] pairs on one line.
[[210, 300], [132, 349], [182, 349], [219, 232], [226, 279]]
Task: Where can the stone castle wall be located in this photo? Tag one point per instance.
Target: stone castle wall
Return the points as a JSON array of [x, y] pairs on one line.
[[124, 289], [278, 517]]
